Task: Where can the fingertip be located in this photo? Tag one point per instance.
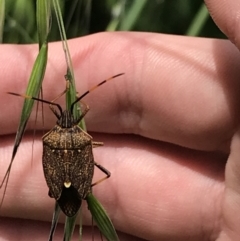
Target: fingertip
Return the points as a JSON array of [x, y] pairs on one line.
[[226, 13], [233, 164], [231, 200]]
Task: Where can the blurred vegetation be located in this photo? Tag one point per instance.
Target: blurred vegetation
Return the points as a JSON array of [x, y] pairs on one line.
[[81, 17]]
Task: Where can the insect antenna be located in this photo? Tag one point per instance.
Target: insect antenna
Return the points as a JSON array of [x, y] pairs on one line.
[[93, 88], [44, 101]]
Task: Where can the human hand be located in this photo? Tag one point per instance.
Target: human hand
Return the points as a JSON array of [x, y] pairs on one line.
[[178, 107]]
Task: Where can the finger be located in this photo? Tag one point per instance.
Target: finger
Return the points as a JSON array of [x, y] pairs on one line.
[[20, 230], [175, 89], [226, 15], [156, 191], [231, 201], [28, 230]]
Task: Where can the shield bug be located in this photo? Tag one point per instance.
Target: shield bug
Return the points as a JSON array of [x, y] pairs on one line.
[[68, 162]]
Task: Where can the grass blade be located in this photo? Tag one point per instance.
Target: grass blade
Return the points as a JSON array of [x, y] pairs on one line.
[[69, 227], [70, 98], [56, 214], [43, 20], [99, 215], [71, 94], [101, 218], [198, 22], [132, 15], [2, 18], [33, 88]]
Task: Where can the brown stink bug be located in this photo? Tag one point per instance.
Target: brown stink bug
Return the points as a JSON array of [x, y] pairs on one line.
[[68, 162]]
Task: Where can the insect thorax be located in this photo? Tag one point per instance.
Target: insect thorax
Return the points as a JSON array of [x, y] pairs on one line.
[[66, 120]]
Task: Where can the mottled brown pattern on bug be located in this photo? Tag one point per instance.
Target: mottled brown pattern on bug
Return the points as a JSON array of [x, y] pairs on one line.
[[68, 166]]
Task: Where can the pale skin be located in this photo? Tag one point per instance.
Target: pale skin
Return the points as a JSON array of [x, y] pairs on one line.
[[172, 175]]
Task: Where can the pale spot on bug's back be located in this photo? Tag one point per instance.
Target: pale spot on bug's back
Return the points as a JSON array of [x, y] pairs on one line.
[[67, 184]]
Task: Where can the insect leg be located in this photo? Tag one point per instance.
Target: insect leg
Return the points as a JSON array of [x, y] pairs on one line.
[[84, 112], [63, 92], [97, 144], [103, 169], [57, 97]]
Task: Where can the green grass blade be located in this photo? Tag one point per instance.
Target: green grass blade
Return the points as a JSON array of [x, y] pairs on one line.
[[101, 218], [69, 227], [43, 20], [132, 16], [70, 98], [2, 18], [198, 21], [71, 94], [33, 88], [55, 218]]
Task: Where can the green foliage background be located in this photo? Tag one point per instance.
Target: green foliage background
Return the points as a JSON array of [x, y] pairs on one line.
[[83, 17]]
